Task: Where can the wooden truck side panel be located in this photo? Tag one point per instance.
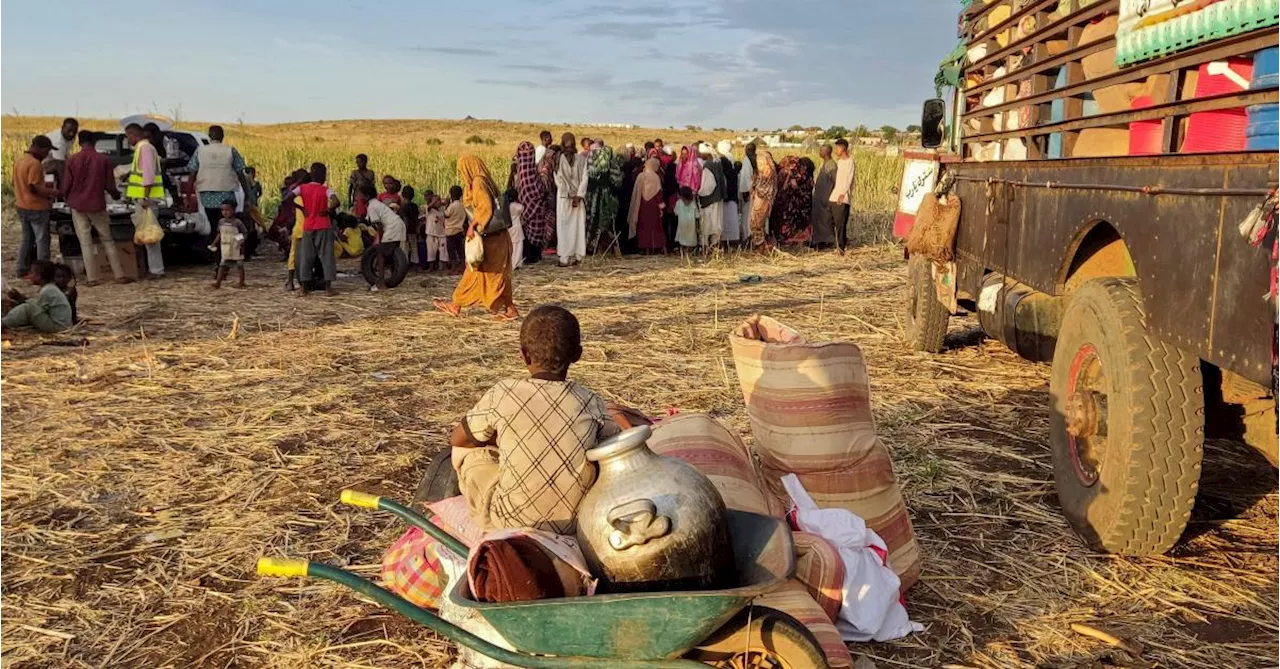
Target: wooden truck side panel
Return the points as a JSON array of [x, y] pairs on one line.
[[1202, 285]]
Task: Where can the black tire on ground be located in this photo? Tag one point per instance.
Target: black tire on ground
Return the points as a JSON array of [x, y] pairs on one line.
[[926, 317], [761, 637], [1128, 478], [394, 272], [440, 481]]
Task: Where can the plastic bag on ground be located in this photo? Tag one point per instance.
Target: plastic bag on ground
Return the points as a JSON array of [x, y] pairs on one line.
[[872, 609]]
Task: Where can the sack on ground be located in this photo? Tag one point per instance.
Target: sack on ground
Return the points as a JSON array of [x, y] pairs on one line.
[[475, 251], [872, 609], [810, 412], [934, 233], [148, 230], [809, 403]]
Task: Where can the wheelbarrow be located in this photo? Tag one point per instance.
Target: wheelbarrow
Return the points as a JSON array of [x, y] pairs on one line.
[[721, 628]]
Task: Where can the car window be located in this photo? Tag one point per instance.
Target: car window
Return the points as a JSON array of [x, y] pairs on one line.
[[109, 144]]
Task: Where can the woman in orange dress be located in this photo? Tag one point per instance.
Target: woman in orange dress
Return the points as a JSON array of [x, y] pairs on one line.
[[489, 284]]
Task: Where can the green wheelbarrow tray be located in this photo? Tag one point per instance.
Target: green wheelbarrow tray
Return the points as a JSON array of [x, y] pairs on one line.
[[633, 630], [645, 626]]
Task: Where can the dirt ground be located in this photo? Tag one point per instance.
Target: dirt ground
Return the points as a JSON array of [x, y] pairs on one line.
[[153, 454]]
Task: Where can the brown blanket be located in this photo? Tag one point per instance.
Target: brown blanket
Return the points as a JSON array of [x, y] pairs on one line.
[[518, 569]]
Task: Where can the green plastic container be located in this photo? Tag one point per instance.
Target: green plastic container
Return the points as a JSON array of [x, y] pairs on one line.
[[1219, 20]]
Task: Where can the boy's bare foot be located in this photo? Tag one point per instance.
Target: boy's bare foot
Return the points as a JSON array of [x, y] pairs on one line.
[[217, 284], [330, 291], [124, 280], [241, 285]]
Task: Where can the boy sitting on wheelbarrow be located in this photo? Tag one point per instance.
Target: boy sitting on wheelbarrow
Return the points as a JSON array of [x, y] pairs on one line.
[[520, 453]]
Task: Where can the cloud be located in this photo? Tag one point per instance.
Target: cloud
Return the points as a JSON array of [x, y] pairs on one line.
[[455, 50], [540, 68]]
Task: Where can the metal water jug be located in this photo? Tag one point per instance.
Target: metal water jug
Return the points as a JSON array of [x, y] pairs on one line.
[[652, 523]]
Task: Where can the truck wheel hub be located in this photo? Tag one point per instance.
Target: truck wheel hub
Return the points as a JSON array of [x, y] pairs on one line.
[[1086, 413]]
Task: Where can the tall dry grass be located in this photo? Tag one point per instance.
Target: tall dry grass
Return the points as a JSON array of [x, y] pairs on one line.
[[424, 154]]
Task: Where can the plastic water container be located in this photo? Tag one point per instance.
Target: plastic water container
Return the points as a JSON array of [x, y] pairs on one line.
[[1263, 131], [1145, 137], [1266, 68], [1224, 129]]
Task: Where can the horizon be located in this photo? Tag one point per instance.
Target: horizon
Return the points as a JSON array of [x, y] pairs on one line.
[[728, 63]]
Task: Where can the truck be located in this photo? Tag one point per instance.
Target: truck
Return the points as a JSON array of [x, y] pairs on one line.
[[1114, 165], [187, 228]]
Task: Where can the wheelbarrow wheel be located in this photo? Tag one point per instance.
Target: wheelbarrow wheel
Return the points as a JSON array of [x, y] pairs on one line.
[[440, 481], [761, 638]]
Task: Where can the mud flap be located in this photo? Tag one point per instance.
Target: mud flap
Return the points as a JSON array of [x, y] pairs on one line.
[[944, 282]]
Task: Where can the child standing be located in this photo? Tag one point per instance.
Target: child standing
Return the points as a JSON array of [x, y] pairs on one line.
[[455, 227], [515, 210], [436, 252], [687, 215], [230, 241], [391, 233], [409, 213], [521, 452]]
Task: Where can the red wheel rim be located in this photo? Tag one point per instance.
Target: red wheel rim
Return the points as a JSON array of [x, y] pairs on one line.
[[1086, 413]]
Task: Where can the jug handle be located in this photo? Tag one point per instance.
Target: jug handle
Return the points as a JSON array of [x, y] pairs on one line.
[[635, 523]]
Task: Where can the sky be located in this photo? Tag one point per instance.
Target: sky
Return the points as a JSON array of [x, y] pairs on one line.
[[716, 63]]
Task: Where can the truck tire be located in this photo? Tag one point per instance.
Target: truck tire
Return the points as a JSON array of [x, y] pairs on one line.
[[926, 317], [394, 272], [1126, 424]]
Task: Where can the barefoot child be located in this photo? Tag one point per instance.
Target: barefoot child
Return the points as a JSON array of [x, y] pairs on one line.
[[687, 214], [391, 233], [230, 241], [455, 229], [437, 257], [520, 453]]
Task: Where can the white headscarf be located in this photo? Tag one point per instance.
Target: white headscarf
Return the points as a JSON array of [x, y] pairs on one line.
[[706, 149], [725, 147]]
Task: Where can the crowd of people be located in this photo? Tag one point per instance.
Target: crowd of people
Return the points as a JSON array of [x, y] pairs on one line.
[[567, 200]]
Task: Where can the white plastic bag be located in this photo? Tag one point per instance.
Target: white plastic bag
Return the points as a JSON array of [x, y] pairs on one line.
[[871, 609], [475, 251]]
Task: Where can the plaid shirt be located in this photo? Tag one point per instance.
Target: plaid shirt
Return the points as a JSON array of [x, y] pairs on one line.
[[543, 428]]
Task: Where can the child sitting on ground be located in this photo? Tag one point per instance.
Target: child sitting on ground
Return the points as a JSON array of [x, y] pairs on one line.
[[65, 279], [50, 311], [687, 215], [230, 241], [520, 453]]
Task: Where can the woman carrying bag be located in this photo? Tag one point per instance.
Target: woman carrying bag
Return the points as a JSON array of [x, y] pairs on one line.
[[488, 283]]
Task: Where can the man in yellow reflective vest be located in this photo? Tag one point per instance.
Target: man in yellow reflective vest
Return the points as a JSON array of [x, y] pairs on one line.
[[145, 187]]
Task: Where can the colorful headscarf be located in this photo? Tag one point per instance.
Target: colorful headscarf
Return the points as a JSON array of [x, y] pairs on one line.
[[689, 171], [538, 216], [763, 189]]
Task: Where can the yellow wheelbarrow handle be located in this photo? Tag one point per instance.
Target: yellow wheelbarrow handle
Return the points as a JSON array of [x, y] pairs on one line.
[[283, 567], [363, 500]]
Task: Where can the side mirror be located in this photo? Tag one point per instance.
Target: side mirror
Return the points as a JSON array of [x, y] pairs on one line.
[[931, 123]]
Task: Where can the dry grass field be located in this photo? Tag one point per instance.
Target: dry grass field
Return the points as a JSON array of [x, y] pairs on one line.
[[152, 454]]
